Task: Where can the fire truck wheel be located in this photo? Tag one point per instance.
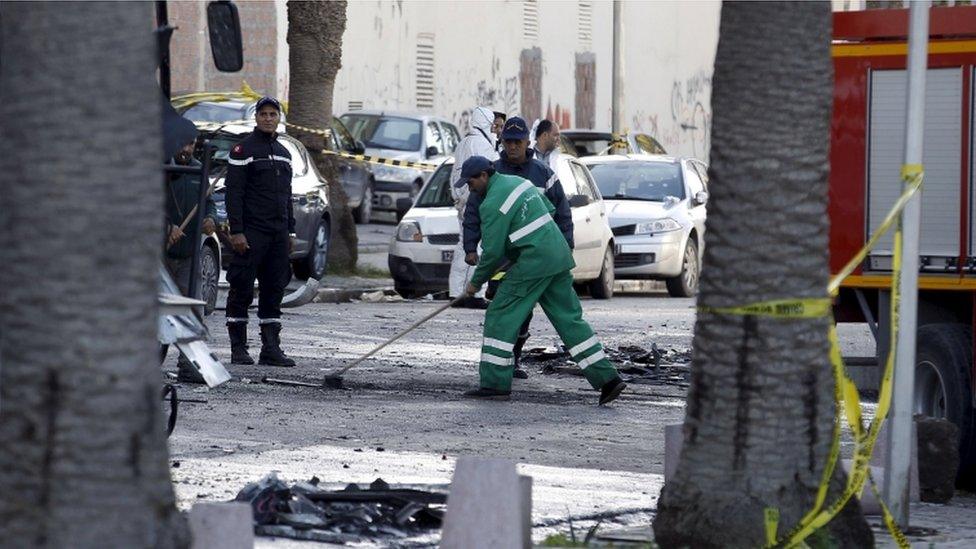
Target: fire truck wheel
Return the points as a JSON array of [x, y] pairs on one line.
[[943, 388]]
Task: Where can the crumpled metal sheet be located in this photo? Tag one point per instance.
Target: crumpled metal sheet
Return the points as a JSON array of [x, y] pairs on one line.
[[306, 511]]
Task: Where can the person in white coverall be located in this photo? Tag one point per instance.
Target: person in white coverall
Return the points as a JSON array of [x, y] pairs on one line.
[[480, 141]]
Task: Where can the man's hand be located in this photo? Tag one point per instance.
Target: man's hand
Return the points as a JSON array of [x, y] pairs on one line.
[[239, 243], [209, 226], [471, 259], [471, 289], [175, 234]]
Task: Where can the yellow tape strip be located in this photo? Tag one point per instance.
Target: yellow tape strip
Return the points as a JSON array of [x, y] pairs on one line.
[[780, 308], [845, 392], [385, 161]]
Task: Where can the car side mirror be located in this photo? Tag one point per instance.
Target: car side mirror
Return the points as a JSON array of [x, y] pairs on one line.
[[432, 151], [224, 26], [358, 148], [579, 200], [701, 198], [403, 206]]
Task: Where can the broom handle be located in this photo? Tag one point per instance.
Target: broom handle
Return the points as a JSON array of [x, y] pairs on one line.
[[402, 333]]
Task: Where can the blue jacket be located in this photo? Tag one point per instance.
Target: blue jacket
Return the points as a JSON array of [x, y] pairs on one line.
[[541, 176], [258, 196]]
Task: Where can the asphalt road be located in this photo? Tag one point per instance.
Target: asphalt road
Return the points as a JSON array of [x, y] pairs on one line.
[[402, 416]]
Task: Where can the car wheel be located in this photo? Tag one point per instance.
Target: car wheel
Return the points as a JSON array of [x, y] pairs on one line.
[[209, 278], [602, 286], [942, 387], [364, 212], [686, 283], [314, 264]]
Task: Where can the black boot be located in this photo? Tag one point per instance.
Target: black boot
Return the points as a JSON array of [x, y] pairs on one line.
[[187, 373], [238, 343], [518, 372], [271, 353], [611, 390]]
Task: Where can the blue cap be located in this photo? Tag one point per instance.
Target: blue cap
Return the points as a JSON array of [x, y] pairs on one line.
[[267, 101], [515, 128], [471, 168]]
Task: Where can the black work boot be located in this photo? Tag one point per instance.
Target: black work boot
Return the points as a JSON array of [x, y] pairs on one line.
[[518, 372], [611, 390], [271, 353], [238, 343], [187, 373]]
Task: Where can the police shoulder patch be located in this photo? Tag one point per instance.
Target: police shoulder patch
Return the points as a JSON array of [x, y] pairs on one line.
[[237, 149]]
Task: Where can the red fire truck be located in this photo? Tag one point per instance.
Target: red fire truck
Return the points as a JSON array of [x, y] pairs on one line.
[[866, 150]]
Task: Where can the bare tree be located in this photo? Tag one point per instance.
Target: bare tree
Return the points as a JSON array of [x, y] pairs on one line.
[[83, 458], [315, 31], [760, 412]]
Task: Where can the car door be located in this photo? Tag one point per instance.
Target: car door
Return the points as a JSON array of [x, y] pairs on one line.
[[434, 146], [353, 174], [304, 196], [696, 208], [592, 242], [451, 137]]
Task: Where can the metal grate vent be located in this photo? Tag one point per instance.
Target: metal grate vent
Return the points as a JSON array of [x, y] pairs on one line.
[[355, 105], [584, 25], [425, 71], [530, 21]]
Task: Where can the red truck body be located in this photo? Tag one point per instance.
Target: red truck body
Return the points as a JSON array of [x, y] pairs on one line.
[[870, 53]]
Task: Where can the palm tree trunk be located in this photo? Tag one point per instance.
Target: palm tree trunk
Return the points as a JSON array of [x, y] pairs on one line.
[[315, 31], [760, 412], [83, 458]]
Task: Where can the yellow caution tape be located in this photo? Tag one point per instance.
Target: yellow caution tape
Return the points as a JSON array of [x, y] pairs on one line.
[[385, 161], [847, 400]]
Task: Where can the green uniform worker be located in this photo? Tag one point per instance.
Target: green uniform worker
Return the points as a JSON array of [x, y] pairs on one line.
[[517, 225]]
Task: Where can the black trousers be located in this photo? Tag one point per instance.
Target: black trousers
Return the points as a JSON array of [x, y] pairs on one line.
[[267, 261]]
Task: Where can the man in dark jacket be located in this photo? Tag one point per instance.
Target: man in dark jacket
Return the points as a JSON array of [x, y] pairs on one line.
[[517, 159], [182, 196], [259, 212]]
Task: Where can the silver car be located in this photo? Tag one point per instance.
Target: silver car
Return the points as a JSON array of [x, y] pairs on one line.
[[656, 209], [401, 136]]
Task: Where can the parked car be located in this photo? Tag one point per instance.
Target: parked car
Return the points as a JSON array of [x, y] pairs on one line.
[[591, 142], [401, 136], [422, 249], [656, 208], [355, 176], [310, 199]]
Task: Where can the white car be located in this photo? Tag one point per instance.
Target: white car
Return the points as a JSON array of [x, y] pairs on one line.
[[422, 249], [656, 206]]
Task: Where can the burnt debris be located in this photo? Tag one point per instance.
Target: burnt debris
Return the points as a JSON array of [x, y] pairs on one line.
[[306, 511], [637, 364]]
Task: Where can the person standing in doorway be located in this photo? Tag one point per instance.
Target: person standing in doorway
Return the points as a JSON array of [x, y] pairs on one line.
[[262, 225]]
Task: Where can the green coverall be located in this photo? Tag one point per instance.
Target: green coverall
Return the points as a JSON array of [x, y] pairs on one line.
[[517, 224]]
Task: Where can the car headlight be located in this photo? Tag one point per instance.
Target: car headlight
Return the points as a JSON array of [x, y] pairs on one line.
[[658, 226], [395, 174], [409, 231]]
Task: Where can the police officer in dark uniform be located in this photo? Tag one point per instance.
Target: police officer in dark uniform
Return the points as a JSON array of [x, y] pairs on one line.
[[259, 211], [517, 159]]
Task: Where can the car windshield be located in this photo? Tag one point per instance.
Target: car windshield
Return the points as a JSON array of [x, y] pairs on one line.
[[437, 193], [223, 143], [385, 132], [216, 112], [636, 180], [589, 144]]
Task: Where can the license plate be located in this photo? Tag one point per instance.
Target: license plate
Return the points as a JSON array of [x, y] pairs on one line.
[[447, 256]]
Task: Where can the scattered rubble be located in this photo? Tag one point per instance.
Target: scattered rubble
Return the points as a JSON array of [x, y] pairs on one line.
[[639, 365], [305, 511]]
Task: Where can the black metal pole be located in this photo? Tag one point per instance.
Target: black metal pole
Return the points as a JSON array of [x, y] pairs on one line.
[[201, 213]]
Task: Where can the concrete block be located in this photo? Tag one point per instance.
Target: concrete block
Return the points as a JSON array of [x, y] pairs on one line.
[[486, 506], [221, 526], [525, 483], [673, 440]]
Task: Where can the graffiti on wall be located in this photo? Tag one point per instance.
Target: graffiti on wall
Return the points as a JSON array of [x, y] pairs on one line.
[[686, 125], [500, 95], [560, 115]]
